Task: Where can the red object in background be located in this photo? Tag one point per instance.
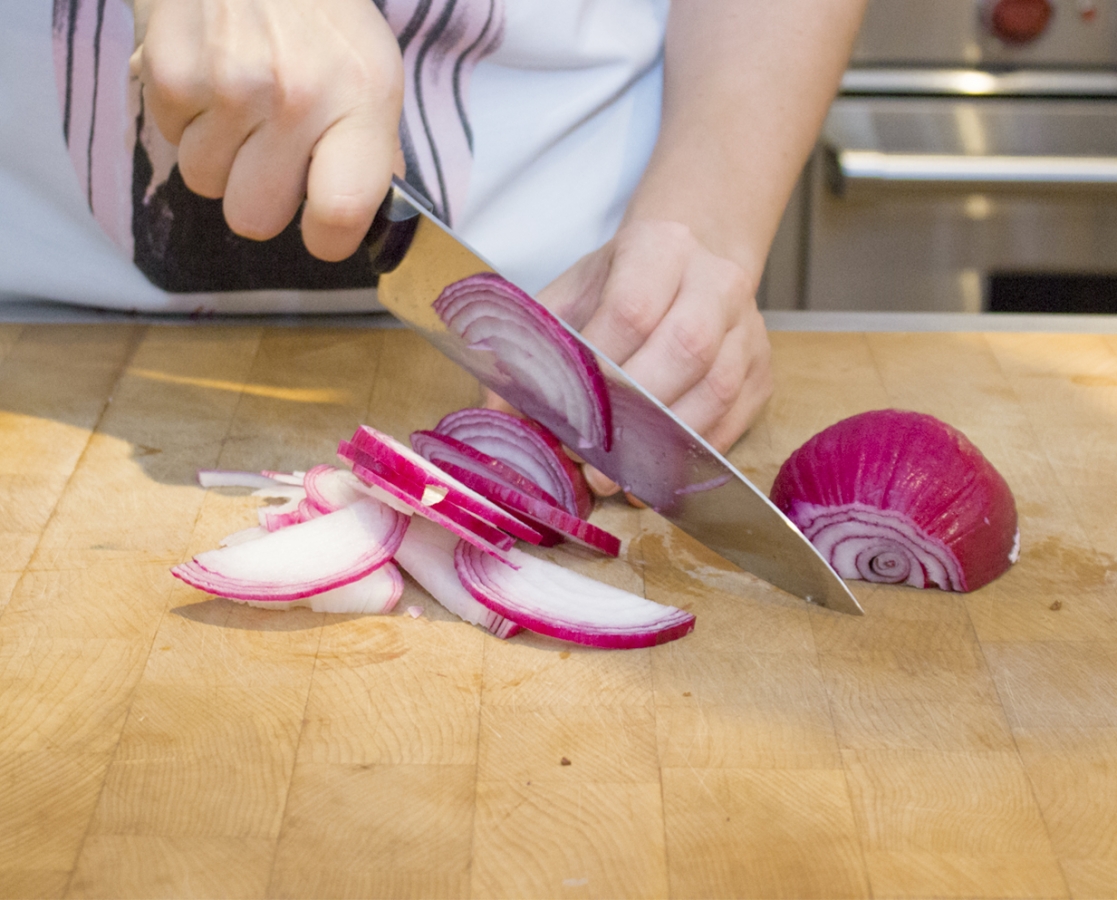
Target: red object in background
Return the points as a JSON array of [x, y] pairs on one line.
[[1019, 21]]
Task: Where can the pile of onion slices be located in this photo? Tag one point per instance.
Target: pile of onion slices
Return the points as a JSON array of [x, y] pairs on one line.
[[449, 510]]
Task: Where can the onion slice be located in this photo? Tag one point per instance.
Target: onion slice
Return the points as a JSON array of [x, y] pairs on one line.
[[412, 473], [375, 594], [540, 368], [466, 526], [548, 599], [329, 488], [301, 560], [538, 513], [528, 448], [900, 497], [427, 554]]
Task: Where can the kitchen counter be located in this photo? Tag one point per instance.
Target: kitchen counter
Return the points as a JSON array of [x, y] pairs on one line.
[[158, 742]]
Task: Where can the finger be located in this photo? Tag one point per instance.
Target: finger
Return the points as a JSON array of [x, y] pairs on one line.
[[171, 72], [728, 399], [209, 147], [495, 401], [599, 484], [641, 286], [267, 182], [350, 174], [688, 340]]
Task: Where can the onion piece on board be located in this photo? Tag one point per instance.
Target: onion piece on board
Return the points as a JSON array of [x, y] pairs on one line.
[[467, 527], [329, 488], [549, 599], [900, 497], [301, 560], [411, 472], [440, 449], [536, 512], [427, 555], [542, 370], [528, 448], [375, 594]]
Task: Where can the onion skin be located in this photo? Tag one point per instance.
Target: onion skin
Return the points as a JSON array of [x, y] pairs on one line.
[[901, 497]]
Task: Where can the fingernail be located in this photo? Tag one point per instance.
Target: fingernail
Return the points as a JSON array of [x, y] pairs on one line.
[[598, 483]]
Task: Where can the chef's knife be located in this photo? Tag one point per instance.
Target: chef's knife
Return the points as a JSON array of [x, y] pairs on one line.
[[653, 455]]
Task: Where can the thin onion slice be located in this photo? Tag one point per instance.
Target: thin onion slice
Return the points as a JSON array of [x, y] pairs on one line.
[[301, 560], [427, 555], [549, 599], [439, 449], [375, 594], [402, 465], [528, 448], [467, 527], [329, 488], [900, 497], [213, 478], [538, 366], [536, 512]]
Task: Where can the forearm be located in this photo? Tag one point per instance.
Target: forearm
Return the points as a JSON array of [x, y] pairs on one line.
[[747, 85]]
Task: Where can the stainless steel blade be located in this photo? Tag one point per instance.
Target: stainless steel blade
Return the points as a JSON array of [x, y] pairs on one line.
[[653, 455]]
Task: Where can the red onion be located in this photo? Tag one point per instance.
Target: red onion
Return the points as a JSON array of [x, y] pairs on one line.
[[528, 448], [375, 594], [403, 466], [301, 560], [541, 369], [550, 599], [465, 525], [542, 515], [427, 553], [329, 488], [901, 498]]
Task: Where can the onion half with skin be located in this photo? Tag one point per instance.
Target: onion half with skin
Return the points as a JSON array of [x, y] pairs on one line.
[[900, 497], [540, 368]]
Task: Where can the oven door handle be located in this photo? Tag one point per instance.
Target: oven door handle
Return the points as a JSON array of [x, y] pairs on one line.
[[846, 169]]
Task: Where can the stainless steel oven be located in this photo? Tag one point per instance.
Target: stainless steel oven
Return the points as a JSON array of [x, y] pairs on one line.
[[968, 164]]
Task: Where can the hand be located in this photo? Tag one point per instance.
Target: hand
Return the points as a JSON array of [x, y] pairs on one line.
[[680, 320], [274, 101]]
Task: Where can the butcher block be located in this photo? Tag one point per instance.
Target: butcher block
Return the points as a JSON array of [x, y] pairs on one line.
[[159, 742]]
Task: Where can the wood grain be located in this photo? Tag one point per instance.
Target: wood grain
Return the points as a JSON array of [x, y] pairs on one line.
[[155, 742]]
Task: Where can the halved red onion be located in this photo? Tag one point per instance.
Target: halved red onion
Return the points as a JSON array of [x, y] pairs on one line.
[[375, 594], [538, 513], [540, 368], [549, 599], [427, 554], [402, 465], [528, 448], [900, 497], [301, 560]]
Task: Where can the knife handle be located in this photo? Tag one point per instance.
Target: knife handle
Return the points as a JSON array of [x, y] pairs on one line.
[[390, 234]]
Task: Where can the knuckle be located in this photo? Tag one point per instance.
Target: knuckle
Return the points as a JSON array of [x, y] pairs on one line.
[[342, 212], [632, 318], [695, 344]]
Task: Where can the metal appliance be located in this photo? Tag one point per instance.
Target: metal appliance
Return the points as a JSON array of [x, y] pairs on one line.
[[968, 164]]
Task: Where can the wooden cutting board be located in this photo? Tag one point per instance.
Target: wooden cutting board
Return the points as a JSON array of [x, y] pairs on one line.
[[158, 742]]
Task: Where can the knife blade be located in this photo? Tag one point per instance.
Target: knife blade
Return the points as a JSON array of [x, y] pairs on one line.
[[653, 454]]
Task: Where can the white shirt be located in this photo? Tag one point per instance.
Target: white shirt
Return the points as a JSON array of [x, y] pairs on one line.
[[562, 109]]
